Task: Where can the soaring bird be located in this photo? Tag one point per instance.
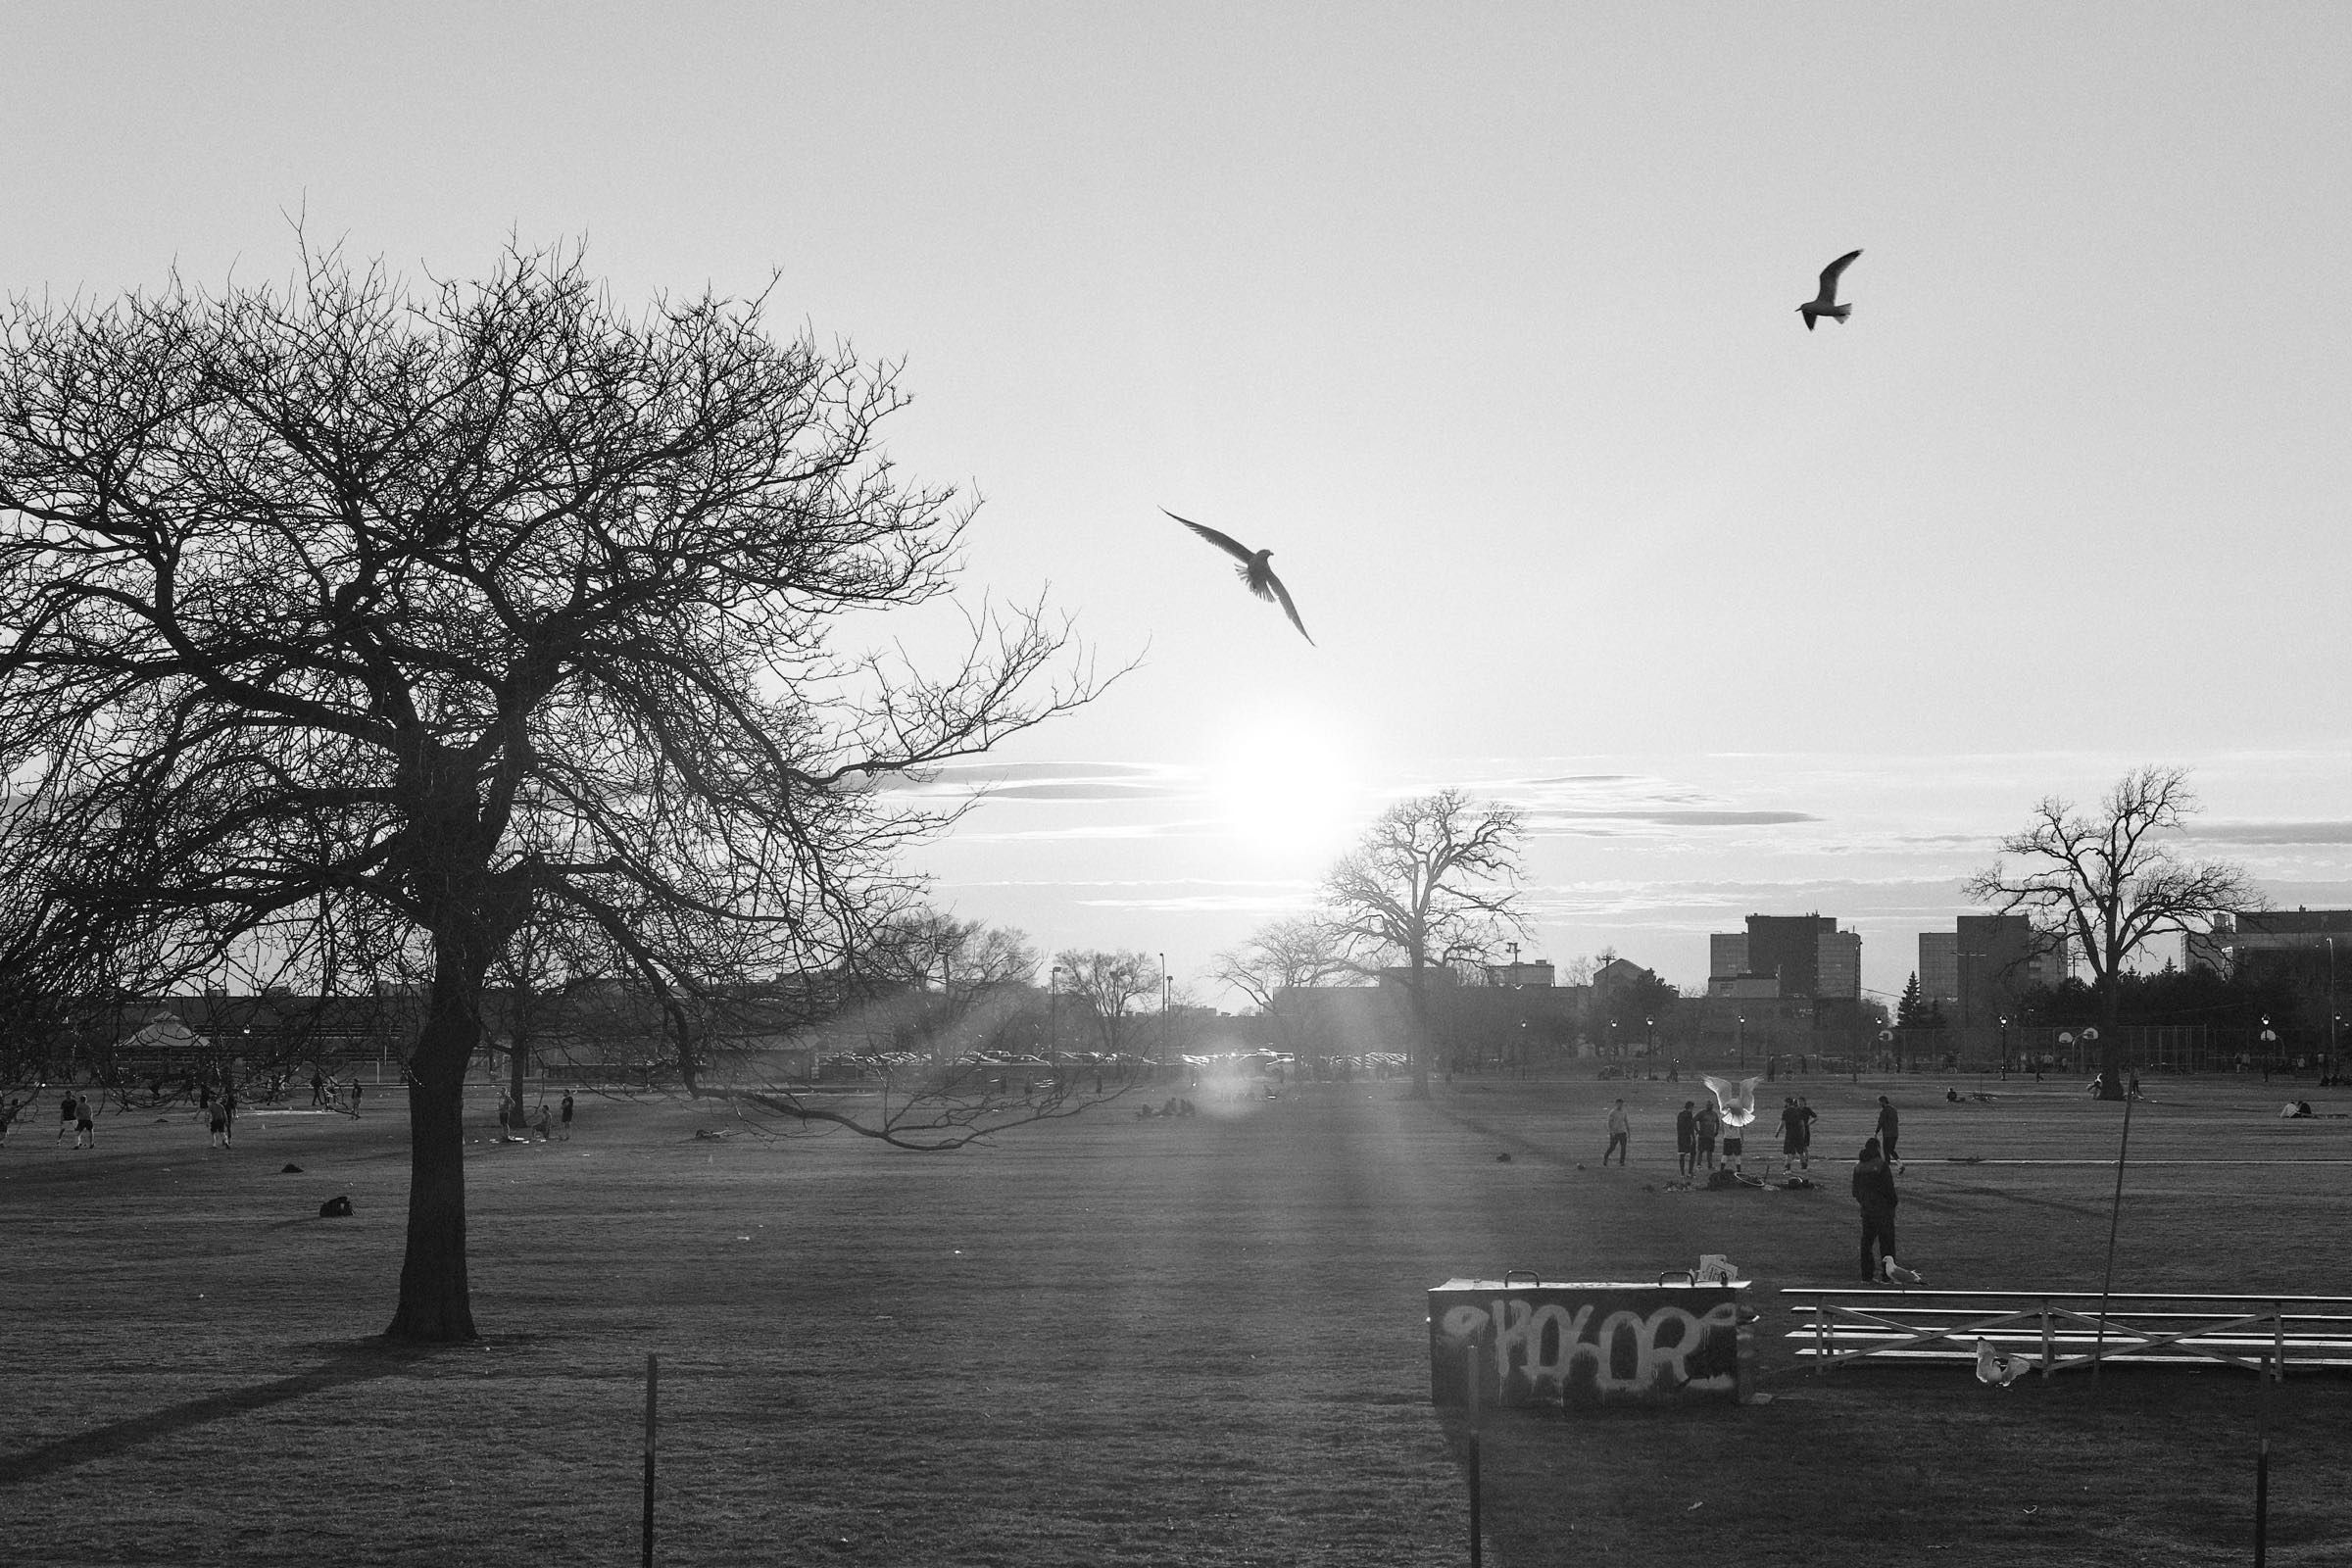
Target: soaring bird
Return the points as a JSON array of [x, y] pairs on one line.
[[1734, 1098], [1253, 571], [1997, 1367], [1826, 302]]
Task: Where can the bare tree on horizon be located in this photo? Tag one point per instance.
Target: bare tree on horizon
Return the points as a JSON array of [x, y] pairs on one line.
[[2107, 882]]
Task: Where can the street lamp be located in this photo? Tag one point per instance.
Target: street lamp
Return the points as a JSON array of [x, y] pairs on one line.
[[2331, 1072], [1739, 1037], [1650, 1037]]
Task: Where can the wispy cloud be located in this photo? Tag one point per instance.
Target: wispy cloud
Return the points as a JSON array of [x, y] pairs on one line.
[[2336, 832]]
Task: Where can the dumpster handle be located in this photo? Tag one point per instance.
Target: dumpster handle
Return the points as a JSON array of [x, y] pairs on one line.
[[1687, 1276], [1533, 1278]]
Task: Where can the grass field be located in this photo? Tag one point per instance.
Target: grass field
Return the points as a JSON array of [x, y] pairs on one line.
[[1126, 1342]]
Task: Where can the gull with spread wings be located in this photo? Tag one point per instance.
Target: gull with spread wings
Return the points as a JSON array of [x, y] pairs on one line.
[[1253, 571], [1826, 302]]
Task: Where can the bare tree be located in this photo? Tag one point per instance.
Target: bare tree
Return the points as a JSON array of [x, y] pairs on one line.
[[1433, 880], [2107, 882], [1282, 955], [353, 620], [1107, 985], [967, 973]]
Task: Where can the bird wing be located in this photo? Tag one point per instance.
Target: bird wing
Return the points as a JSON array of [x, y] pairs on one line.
[[1230, 546], [1831, 273], [1288, 608]]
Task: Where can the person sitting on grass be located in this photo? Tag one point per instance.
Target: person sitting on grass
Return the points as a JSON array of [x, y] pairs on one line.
[[544, 1126]]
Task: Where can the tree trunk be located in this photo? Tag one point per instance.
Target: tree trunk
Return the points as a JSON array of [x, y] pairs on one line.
[[2111, 1039], [435, 1298]]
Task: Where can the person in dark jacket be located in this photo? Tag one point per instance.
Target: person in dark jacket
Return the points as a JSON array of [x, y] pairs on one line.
[[1889, 1129], [1874, 1192], [1686, 1139]]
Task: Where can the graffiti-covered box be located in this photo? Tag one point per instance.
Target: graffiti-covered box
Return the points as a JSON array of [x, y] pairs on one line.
[[1540, 1343]]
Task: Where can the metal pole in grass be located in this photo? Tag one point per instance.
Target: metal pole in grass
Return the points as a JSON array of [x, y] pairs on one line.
[[652, 1376], [1470, 1379], [2115, 1220], [2262, 1462]]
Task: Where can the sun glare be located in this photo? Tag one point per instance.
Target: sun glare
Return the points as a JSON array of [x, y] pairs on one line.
[[1287, 785]]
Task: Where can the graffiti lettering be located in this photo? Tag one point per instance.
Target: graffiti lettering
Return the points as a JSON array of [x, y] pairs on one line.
[[1544, 1350]]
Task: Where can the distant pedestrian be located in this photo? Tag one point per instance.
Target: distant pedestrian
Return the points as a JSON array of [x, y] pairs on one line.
[[318, 1087], [216, 1117], [85, 1122], [1620, 1134], [567, 1117], [1686, 1139], [355, 1097], [228, 1115], [8, 1116], [1805, 1110], [542, 1126], [1710, 1123], [67, 1110], [1889, 1123], [505, 1115]]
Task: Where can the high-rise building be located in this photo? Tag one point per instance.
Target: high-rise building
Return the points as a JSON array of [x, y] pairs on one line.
[[1940, 969], [1803, 955]]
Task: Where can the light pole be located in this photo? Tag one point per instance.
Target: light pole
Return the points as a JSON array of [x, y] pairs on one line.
[[1163, 1007], [1650, 1037], [1739, 1037], [2331, 1072], [1053, 1016], [2269, 1042], [2004, 1045]]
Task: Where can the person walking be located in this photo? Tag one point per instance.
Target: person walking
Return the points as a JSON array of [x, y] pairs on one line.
[[1875, 1196], [228, 1115], [1620, 1134], [8, 1116], [217, 1118], [1686, 1139], [354, 1096], [85, 1122], [65, 1114], [1711, 1122], [1889, 1123], [1807, 1115], [318, 1087], [568, 1115]]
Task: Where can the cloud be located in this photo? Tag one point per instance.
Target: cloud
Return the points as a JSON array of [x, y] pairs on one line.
[[2336, 832], [1099, 783], [1671, 818]]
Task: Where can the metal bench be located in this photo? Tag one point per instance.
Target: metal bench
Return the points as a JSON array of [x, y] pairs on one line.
[[2055, 1331]]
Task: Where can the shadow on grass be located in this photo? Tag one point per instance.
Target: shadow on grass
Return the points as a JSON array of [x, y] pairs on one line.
[[360, 1362]]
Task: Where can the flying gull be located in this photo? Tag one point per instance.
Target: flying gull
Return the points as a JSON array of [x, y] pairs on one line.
[[1253, 571], [1826, 303]]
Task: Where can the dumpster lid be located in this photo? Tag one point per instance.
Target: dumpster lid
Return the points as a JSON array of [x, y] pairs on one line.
[[1677, 1283]]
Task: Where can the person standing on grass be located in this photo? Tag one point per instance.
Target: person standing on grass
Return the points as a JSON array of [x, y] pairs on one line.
[[354, 1096], [8, 1116], [1711, 1122], [1792, 1134], [216, 1117], [1620, 1133], [1875, 1196], [318, 1087], [66, 1115], [85, 1122], [542, 1126], [1686, 1139], [568, 1115], [1889, 1123]]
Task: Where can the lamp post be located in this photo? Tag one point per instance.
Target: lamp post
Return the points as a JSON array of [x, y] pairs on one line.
[[1053, 1015], [1163, 1007], [1739, 1037], [2004, 1044], [2332, 1071], [1650, 1037], [2269, 1042]]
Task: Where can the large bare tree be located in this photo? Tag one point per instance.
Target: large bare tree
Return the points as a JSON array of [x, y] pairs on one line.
[[362, 625], [1435, 879], [2107, 881]]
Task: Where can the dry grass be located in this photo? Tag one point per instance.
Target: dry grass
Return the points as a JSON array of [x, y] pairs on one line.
[[1119, 1341]]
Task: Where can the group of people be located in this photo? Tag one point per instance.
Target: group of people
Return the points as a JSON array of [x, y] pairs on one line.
[[1698, 1127], [512, 1122]]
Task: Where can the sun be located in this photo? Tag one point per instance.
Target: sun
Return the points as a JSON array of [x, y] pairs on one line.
[[1288, 784]]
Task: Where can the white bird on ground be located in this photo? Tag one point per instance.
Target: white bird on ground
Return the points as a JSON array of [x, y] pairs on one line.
[[1898, 1273], [1997, 1367], [1253, 571], [1826, 302]]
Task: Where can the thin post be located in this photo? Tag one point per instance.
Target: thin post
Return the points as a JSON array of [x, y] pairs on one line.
[[652, 1376], [1470, 1385], [2261, 1463], [2115, 1220]]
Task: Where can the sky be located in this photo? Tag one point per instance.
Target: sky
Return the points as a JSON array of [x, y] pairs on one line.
[[1484, 321]]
